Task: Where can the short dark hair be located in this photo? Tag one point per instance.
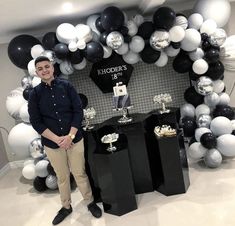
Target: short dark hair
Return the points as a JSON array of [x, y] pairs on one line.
[[40, 59]]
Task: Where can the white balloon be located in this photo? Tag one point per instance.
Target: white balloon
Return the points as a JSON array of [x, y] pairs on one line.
[[36, 50], [195, 21], [212, 99], [226, 144], [187, 110], [162, 60], [171, 52], [66, 33], [131, 57], [196, 151], [29, 171], [200, 66], [196, 54], [233, 124], [138, 19], [213, 158], [81, 65], [200, 131], [132, 28], [91, 21], [31, 68], [217, 10], [14, 102], [202, 109], [221, 125], [218, 86], [28, 161], [191, 41], [137, 44], [24, 114], [181, 21], [224, 99], [209, 26], [107, 51], [81, 44], [19, 139], [123, 49], [50, 55], [36, 81], [66, 68], [177, 34], [83, 32], [73, 46], [41, 168]]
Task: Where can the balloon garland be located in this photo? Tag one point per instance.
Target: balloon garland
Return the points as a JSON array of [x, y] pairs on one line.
[[198, 43]]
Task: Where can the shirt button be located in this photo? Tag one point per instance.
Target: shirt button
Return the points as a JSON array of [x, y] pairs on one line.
[[56, 112], [53, 96], [61, 128], [63, 96], [54, 104], [51, 88], [59, 120]]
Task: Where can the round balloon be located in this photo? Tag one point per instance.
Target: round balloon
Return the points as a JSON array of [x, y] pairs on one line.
[[187, 110], [149, 55], [204, 85], [200, 131], [191, 41], [213, 158], [29, 171], [49, 40], [159, 40], [114, 40], [94, 52], [204, 121], [225, 144], [221, 125], [202, 109], [196, 151], [208, 140], [41, 168]]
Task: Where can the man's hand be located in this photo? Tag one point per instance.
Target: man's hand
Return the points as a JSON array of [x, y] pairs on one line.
[[66, 142]]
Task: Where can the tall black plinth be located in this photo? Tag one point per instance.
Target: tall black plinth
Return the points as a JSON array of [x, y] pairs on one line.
[[168, 160], [115, 182], [90, 146], [137, 148]]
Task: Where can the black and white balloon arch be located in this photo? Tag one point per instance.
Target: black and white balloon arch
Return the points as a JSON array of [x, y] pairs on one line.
[[199, 45]]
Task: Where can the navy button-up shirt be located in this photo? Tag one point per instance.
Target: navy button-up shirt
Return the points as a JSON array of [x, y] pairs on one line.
[[57, 107]]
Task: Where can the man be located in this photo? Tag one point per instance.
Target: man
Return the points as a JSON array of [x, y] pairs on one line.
[[56, 113]]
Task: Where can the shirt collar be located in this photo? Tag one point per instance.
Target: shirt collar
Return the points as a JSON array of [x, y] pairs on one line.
[[53, 82]]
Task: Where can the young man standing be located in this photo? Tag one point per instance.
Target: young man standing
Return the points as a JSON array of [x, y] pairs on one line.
[[56, 113]]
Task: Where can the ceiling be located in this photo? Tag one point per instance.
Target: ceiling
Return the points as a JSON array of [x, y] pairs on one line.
[[39, 17]]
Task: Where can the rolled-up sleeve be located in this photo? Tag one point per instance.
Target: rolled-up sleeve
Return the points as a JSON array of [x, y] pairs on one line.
[[34, 113], [76, 107]]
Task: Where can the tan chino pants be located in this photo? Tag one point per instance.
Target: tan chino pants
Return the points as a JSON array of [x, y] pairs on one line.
[[64, 161]]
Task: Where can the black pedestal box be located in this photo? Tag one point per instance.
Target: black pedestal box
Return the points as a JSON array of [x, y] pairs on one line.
[[115, 182]]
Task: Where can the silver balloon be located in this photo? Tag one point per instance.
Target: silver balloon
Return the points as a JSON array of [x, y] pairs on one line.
[[159, 40], [218, 37], [115, 40], [26, 81], [50, 55], [51, 182], [204, 121], [204, 85], [213, 158], [36, 149]]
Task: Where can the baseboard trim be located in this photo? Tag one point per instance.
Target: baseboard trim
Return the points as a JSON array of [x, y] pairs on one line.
[[17, 164], [5, 169]]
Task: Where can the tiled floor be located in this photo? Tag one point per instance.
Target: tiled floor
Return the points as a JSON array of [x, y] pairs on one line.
[[209, 201]]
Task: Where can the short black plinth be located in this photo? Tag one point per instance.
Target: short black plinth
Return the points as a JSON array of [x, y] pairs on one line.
[[175, 177], [115, 182]]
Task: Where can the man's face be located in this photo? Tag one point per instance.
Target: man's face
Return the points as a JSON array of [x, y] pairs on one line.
[[45, 70]]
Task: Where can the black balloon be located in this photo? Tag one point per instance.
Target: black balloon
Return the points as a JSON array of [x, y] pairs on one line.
[[215, 70], [19, 50], [49, 40], [176, 45], [192, 75], [84, 100], [26, 92], [192, 97], [208, 140], [39, 184], [94, 52], [206, 45], [189, 125], [103, 37], [146, 29], [211, 55], [61, 51], [182, 63], [164, 18], [124, 30], [127, 39], [149, 55], [98, 25], [50, 169], [224, 110], [204, 36], [112, 18], [76, 57]]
